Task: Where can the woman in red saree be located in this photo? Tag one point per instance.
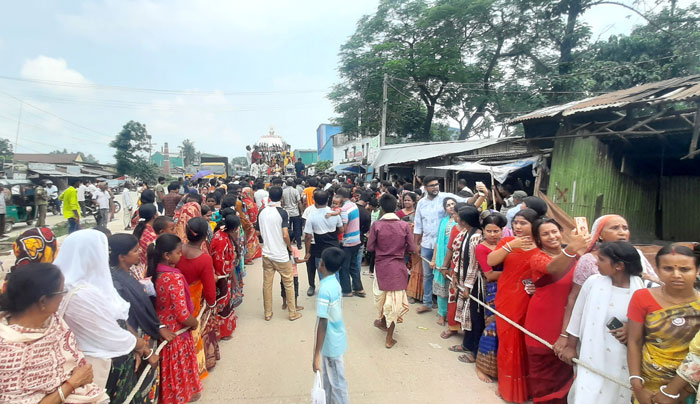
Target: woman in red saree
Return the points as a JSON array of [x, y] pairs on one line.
[[198, 269], [514, 253], [250, 212], [549, 379], [226, 253]]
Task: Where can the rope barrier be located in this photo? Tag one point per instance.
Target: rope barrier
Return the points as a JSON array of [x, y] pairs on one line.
[[538, 338], [205, 309]]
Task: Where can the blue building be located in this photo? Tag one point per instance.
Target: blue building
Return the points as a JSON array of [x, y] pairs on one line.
[[324, 140]]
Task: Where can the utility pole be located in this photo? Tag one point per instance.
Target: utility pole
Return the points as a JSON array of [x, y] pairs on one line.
[[19, 122], [385, 102]]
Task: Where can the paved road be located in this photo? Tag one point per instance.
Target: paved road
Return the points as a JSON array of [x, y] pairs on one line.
[[270, 362]]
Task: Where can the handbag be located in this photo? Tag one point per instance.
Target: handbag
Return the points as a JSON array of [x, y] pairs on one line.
[[318, 395]]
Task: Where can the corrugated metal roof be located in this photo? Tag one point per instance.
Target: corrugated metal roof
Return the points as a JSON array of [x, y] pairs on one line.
[[660, 92], [404, 152]]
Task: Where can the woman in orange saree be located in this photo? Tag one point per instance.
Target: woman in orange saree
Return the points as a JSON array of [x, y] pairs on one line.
[[249, 214]]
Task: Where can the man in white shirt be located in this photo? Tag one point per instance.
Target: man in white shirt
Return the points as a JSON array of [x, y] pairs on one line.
[[81, 198], [102, 196], [128, 206], [322, 230], [261, 196], [52, 191], [273, 223]]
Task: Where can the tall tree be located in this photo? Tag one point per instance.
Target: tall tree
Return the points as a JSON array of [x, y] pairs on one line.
[[130, 144], [5, 148], [188, 152]]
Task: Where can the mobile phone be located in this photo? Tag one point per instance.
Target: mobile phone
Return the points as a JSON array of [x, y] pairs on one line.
[[528, 282], [581, 225], [614, 324]]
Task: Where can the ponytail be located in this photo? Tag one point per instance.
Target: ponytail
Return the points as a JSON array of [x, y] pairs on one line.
[[146, 214], [165, 243]]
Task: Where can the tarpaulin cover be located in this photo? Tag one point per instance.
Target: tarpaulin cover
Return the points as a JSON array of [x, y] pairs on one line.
[[500, 172]]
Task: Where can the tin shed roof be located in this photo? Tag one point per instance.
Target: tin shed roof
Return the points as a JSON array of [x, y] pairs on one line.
[[660, 92]]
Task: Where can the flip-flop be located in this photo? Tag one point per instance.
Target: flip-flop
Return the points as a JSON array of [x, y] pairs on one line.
[[447, 334], [456, 348], [467, 358], [360, 294], [423, 309], [295, 316], [268, 318]]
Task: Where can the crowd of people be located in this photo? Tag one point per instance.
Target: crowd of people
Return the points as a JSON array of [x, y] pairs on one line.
[[82, 324]]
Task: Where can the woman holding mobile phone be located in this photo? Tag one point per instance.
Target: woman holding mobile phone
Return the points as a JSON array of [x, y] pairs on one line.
[[514, 253], [598, 324]]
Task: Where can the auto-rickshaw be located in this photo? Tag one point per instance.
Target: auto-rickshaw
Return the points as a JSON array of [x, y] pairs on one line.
[[20, 203]]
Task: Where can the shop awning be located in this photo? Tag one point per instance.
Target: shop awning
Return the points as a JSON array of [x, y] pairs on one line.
[[405, 152], [500, 172], [349, 168]]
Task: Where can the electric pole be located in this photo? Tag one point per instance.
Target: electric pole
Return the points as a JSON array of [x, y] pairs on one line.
[[19, 122], [385, 102]]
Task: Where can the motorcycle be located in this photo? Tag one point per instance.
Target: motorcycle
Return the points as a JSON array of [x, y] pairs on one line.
[[54, 205]]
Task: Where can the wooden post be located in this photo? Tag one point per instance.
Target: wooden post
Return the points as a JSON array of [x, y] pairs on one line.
[[696, 134]]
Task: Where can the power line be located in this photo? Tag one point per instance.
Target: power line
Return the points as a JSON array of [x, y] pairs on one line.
[[578, 73], [155, 90], [56, 116]]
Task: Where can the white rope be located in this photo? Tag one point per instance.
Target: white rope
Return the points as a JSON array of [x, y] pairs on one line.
[[160, 348], [539, 339]]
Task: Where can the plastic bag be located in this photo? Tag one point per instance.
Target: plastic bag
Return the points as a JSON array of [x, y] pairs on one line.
[[318, 395]]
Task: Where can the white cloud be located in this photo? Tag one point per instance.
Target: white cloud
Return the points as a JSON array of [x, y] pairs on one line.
[[51, 69], [208, 24]]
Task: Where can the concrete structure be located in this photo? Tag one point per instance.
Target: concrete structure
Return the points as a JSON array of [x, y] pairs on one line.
[[167, 164], [308, 156], [324, 142]]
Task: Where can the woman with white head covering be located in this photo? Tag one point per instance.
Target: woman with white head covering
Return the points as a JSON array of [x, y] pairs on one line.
[[95, 312]]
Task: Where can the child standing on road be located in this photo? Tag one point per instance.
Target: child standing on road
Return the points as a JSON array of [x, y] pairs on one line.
[[331, 339]]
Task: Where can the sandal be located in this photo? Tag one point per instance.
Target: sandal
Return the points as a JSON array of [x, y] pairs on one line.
[[295, 316], [360, 293], [268, 318], [447, 334], [456, 348], [467, 358]]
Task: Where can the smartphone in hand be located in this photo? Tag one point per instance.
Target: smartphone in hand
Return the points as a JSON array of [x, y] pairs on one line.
[[581, 226], [614, 324]]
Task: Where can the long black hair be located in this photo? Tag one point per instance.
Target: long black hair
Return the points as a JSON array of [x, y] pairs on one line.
[[27, 284], [146, 213], [120, 244], [469, 214], [624, 252], [196, 229], [165, 243]]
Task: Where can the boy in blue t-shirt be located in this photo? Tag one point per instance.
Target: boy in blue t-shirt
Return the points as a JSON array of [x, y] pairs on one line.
[[331, 340]]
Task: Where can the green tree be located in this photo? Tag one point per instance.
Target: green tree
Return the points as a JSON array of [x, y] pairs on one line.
[[239, 161], [90, 159], [6, 149], [188, 152], [130, 144], [322, 166]]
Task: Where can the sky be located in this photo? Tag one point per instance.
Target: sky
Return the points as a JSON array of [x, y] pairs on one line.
[[221, 73]]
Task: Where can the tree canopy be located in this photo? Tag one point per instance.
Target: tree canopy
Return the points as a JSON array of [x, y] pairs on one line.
[[477, 63], [131, 144], [189, 153]]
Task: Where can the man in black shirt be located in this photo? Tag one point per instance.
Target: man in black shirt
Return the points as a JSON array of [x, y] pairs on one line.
[[299, 167]]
